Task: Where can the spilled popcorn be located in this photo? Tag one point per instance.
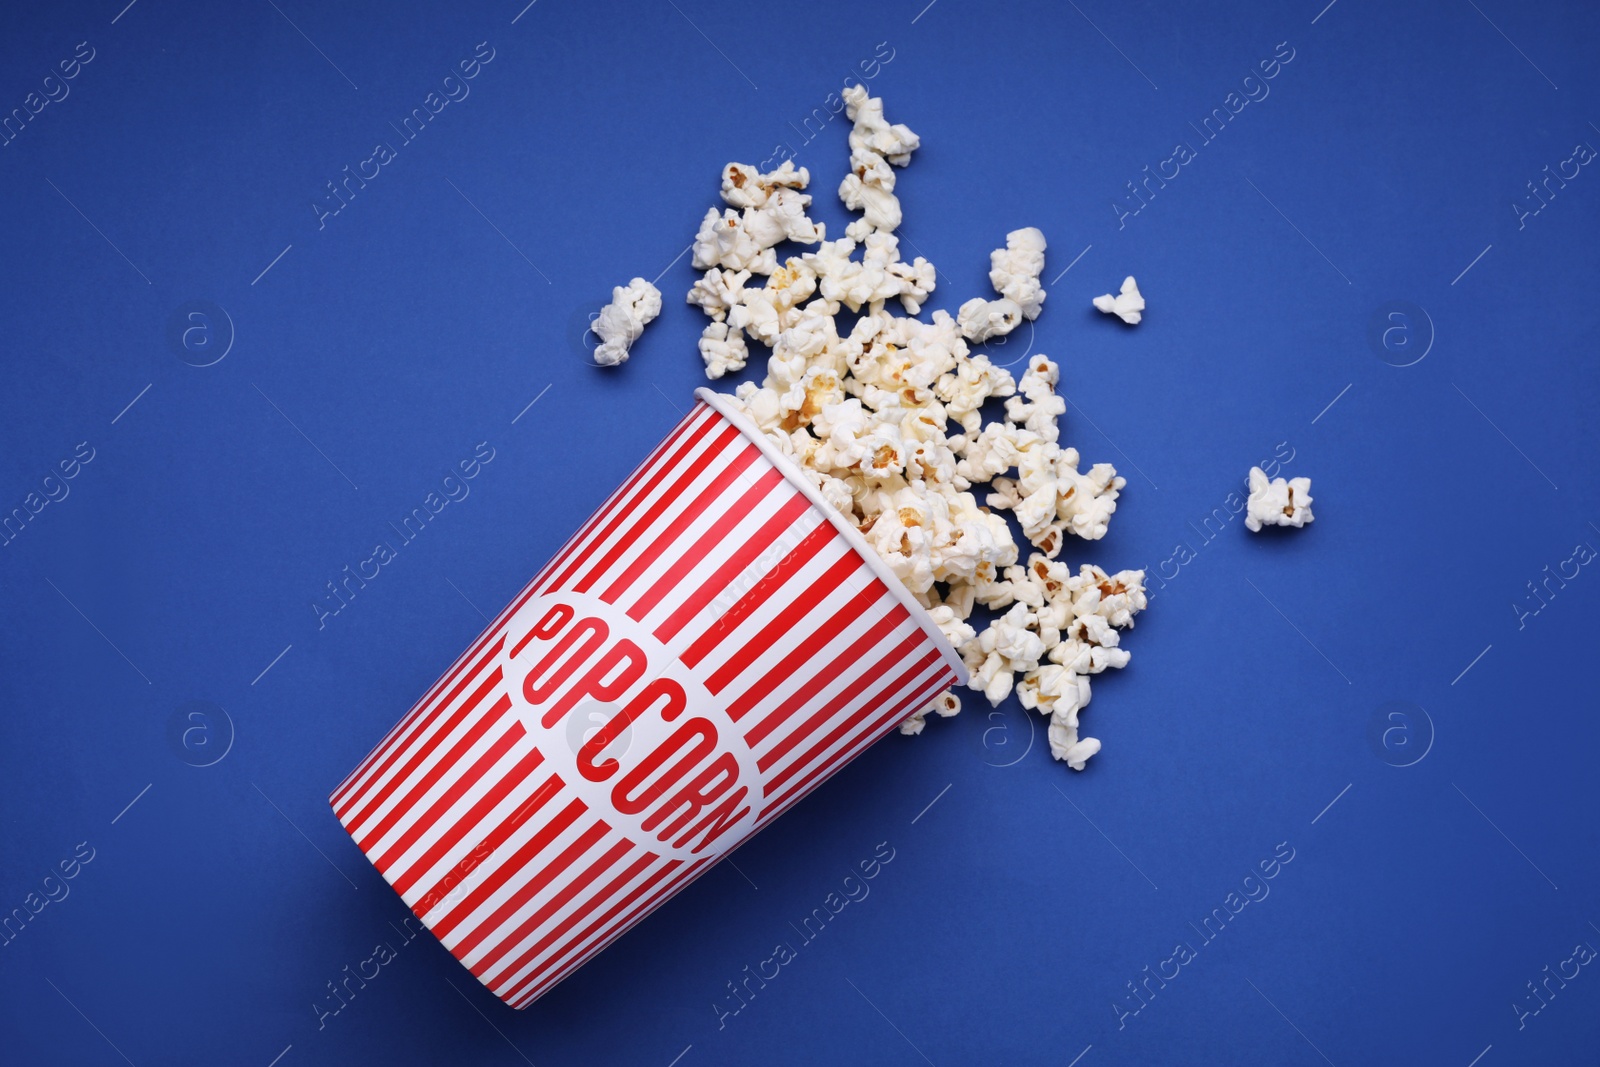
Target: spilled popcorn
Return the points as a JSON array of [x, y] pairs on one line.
[[1275, 502], [1128, 305], [868, 415], [620, 322]]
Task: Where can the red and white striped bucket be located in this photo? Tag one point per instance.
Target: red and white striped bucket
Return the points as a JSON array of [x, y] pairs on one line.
[[735, 640]]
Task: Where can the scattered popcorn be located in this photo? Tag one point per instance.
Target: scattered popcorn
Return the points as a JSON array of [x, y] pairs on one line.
[[773, 212], [887, 422], [944, 705], [1014, 270], [874, 145], [1277, 502], [877, 277], [622, 321], [1127, 306]]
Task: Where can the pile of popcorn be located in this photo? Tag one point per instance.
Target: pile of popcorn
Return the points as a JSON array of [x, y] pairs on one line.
[[868, 417]]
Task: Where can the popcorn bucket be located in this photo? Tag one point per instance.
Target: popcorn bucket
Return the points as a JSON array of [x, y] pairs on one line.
[[713, 644]]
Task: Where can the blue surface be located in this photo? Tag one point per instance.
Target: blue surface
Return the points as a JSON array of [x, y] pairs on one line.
[[157, 615]]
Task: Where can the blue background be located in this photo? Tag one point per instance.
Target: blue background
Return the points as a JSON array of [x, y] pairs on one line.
[[371, 354]]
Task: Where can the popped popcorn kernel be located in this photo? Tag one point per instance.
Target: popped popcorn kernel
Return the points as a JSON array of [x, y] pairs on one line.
[[620, 322], [1128, 305], [1276, 502]]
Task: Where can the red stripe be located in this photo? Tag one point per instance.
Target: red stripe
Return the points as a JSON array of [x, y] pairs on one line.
[[741, 558], [788, 619], [897, 712], [759, 594], [604, 893], [890, 692], [430, 819], [660, 543], [621, 513], [507, 869], [452, 759], [514, 939], [586, 953], [679, 481], [469, 820], [551, 871], [493, 841], [375, 796], [398, 747], [854, 656]]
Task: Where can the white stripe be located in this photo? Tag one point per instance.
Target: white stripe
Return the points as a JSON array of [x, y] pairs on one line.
[[582, 909], [571, 947], [643, 491], [589, 907], [496, 816], [503, 932], [404, 736], [489, 867], [741, 534], [466, 922], [872, 729], [577, 954], [738, 586]]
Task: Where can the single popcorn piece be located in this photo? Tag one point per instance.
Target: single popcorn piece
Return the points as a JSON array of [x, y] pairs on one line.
[[982, 319], [1127, 306], [723, 349], [717, 291], [1275, 502], [1014, 270], [622, 321], [872, 133], [722, 241], [743, 186], [1036, 405]]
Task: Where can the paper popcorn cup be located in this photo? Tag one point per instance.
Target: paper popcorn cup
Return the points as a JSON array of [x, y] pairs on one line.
[[713, 644]]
